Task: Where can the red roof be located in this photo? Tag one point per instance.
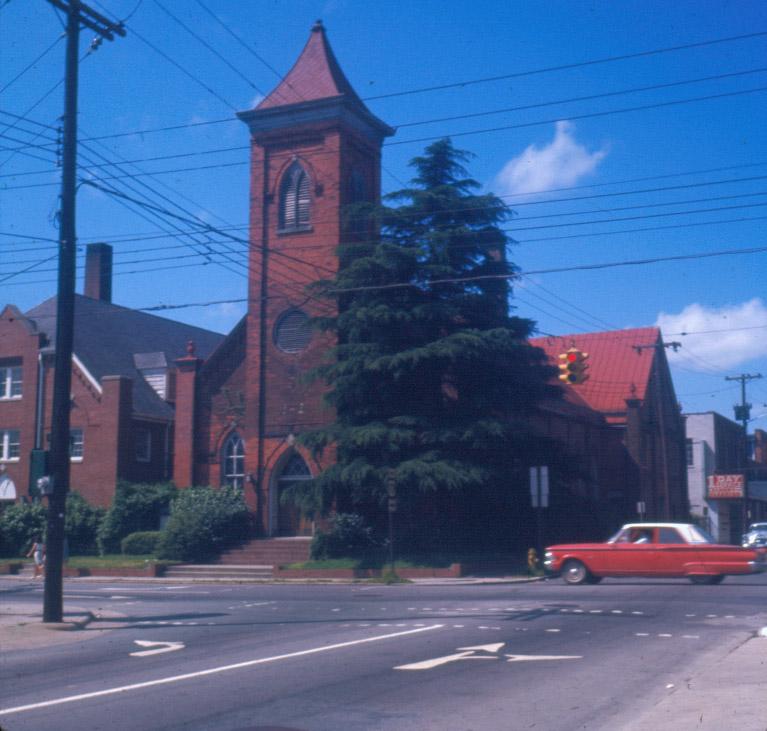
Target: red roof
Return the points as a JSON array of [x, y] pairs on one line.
[[315, 75], [618, 369]]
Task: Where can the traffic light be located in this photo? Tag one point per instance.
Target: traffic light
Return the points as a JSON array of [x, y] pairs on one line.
[[573, 367]]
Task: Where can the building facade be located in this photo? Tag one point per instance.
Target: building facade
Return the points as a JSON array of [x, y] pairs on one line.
[[122, 393], [725, 495]]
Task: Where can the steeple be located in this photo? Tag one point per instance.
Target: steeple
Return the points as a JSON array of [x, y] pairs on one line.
[[314, 89]]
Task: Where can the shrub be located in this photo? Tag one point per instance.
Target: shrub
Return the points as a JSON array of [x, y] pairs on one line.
[[140, 543], [19, 524], [203, 521], [348, 535], [82, 525], [136, 507]]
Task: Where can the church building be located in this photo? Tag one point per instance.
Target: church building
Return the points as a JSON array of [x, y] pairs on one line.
[[315, 149]]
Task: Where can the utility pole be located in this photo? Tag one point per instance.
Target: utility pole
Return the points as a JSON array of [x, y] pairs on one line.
[[662, 421], [77, 14], [743, 413]]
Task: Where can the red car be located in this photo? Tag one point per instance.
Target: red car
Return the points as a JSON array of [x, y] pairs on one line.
[[668, 550]]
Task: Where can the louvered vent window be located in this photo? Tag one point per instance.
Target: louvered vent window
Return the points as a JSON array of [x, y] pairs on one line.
[[292, 332], [295, 199]]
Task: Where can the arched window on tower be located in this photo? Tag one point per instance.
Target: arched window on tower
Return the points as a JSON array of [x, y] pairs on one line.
[[295, 199], [233, 461]]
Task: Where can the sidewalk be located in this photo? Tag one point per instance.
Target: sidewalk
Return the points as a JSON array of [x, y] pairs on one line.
[[723, 693], [22, 628]]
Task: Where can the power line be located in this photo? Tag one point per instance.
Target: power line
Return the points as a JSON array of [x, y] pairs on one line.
[[586, 115], [589, 97], [204, 43], [33, 63], [564, 67]]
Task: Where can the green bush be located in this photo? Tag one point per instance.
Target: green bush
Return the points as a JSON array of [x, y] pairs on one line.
[[82, 525], [347, 536], [140, 543], [19, 525], [204, 521], [136, 507]]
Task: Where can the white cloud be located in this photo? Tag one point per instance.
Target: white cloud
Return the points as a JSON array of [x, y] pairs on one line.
[[560, 163], [722, 340]]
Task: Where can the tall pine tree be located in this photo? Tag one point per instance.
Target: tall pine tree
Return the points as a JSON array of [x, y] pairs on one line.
[[432, 380]]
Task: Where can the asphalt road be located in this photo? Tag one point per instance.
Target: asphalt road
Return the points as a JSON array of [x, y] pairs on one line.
[[319, 657]]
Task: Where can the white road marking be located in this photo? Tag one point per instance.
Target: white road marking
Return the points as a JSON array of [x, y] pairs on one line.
[[464, 653], [691, 637], [616, 611], [526, 658], [117, 596], [212, 671], [665, 635], [689, 615], [711, 616], [637, 613], [642, 634], [553, 630], [160, 647]]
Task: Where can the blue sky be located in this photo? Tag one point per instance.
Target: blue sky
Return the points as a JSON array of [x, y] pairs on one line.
[[682, 174]]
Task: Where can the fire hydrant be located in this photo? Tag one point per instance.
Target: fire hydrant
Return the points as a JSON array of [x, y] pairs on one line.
[[532, 562]]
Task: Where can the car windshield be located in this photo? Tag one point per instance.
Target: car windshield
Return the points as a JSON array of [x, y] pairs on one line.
[[758, 527]]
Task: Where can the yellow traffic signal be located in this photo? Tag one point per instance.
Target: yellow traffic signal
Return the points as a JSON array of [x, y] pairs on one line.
[[573, 367]]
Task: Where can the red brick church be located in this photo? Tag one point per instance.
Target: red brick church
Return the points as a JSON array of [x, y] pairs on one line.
[[228, 411], [315, 149]]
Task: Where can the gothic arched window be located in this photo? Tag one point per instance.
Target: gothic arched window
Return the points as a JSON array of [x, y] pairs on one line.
[[295, 199], [233, 461]]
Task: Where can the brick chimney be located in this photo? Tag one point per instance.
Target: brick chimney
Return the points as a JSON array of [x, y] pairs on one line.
[[98, 272]]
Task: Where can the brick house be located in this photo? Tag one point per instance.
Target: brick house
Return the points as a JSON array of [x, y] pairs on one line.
[[637, 453], [122, 389], [315, 149]]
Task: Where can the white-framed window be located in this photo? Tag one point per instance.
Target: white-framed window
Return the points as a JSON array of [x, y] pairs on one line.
[[10, 381], [76, 445], [295, 199], [10, 445], [233, 461], [143, 445]]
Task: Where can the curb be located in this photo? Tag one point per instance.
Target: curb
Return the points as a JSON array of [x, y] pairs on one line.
[[69, 625]]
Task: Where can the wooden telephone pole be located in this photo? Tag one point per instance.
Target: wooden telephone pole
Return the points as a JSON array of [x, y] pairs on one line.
[[78, 14]]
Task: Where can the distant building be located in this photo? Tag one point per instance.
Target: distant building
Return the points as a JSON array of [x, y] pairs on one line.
[[637, 457], [123, 389], [715, 453]]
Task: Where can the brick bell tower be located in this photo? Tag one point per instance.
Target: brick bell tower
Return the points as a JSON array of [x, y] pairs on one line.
[[315, 149]]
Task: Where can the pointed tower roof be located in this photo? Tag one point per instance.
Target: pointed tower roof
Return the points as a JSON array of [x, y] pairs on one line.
[[314, 89], [315, 75]]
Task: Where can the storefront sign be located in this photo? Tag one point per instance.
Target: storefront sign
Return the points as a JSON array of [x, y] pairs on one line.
[[726, 487]]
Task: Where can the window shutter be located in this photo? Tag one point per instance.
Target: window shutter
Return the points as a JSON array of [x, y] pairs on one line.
[[295, 198]]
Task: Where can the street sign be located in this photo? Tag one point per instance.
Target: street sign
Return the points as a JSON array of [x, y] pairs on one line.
[[539, 486]]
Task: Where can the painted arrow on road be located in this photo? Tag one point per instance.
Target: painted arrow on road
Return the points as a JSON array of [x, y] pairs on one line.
[[466, 653], [159, 647]]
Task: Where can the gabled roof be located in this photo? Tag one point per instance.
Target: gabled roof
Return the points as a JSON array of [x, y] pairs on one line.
[[315, 75], [107, 337], [618, 368]]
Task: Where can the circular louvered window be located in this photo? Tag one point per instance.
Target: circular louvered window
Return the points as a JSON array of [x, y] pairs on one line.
[[292, 332]]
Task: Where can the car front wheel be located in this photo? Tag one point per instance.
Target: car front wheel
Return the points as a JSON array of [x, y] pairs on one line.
[[707, 579], [575, 572]]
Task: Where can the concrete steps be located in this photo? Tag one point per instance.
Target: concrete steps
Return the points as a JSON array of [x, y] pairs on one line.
[[242, 572], [268, 551]]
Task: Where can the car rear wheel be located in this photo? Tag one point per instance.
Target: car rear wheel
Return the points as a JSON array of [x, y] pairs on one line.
[[575, 572], [718, 579]]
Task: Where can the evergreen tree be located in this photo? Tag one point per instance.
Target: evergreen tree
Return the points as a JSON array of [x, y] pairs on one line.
[[432, 380]]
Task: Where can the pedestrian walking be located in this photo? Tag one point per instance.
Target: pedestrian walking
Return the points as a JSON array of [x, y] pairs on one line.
[[37, 553]]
